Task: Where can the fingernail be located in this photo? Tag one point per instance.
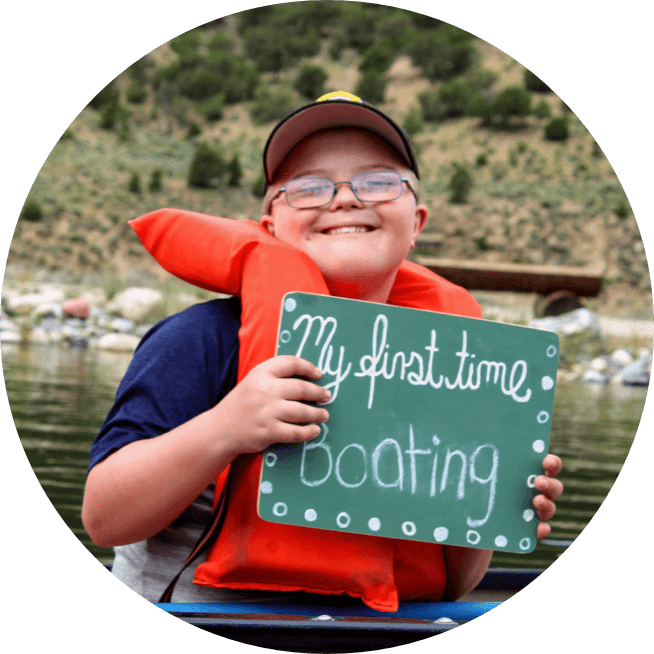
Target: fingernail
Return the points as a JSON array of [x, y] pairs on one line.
[[328, 393], [326, 416]]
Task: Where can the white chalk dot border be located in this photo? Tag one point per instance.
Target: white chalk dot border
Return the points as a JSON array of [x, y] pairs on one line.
[[409, 528]]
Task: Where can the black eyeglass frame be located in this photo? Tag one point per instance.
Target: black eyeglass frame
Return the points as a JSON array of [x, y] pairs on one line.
[[402, 179]]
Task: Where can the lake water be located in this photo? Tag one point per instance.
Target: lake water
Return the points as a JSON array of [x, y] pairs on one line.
[[59, 398]]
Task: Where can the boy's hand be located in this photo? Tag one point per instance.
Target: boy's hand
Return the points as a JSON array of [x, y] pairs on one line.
[[551, 489], [267, 406]]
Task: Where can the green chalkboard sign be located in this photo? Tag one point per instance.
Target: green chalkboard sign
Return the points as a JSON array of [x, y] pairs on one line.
[[438, 425]]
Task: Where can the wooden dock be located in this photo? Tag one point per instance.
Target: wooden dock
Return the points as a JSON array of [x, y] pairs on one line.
[[517, 278]]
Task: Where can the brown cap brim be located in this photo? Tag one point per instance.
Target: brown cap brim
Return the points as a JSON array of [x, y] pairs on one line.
[[332, 114]]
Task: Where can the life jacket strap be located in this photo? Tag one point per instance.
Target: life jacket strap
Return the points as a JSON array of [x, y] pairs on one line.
[[207, 539]]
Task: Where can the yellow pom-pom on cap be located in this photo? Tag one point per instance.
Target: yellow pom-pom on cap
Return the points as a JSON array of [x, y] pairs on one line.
[[339, 95]]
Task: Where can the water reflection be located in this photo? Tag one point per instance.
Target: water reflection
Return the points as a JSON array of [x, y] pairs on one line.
[[59, 398]]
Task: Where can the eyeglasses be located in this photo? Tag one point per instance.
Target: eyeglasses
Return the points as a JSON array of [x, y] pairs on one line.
[[374, 186]]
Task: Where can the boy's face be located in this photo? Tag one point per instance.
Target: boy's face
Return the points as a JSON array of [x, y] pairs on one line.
[[353, 263]]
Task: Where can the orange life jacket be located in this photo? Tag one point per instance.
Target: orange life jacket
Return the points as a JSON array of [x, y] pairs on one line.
[[241, 258]]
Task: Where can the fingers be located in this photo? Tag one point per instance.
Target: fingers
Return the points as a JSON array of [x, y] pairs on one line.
[[545, 508], [550, 487], [543, 530], [552, 465], [297, 389], [298, 419], [302, 414], [290, 366]]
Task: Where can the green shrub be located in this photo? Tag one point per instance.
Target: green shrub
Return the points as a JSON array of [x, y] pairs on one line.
[[442, 53], [219, 72], [177, 69], [424, 22], [622, 209], [136, 92], [481, 160], [213, 108], [464, 96], [454, 97], [511, 101], [396, 26], [378, 57], [193, 130], [31, 211], [480, 106], [356, 20], [139, 69], [123, 122], [293, 17], [460, 185], [557, 129], [371, 87], [186, 43], [134, 185], [221, 40], [111, 113], [271, 104], [431, 105], [253, 17], [596, 151], [542, 110], [413, 122], [303, 44], [310, 81], [257, 185], [535, 84], [108, 94], [207, 167], [267, 47], [155, 184], [234, 172], [337, 44]]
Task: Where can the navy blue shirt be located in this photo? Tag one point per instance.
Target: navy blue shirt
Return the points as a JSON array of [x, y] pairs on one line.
[[182, 367]]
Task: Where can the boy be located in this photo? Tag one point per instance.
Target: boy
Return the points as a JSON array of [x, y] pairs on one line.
[[180, 420]]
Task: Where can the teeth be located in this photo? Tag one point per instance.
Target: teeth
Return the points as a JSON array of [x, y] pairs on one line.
[[347, 230]]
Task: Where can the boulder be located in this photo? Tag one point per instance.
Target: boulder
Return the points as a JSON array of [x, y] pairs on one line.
[[637, 373], [572, 322], [121, 325], [594, 377], [118, 342], [599, 364], [621, 358], [17, 304], [77, 308], [9, 330], [134, 303], [7, 336]]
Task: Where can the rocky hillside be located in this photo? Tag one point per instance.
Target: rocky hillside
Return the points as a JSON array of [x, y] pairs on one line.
[[531, 200]]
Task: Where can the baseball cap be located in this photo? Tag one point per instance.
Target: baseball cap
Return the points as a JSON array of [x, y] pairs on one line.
[[331, 111]]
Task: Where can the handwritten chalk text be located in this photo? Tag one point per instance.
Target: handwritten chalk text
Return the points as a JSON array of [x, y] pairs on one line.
[[416, 368], [388, 466]]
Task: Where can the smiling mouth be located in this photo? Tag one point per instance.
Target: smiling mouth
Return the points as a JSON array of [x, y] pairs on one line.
[[350, 229]]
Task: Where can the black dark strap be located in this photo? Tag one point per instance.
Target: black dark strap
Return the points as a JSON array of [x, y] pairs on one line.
[[208, 537]]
